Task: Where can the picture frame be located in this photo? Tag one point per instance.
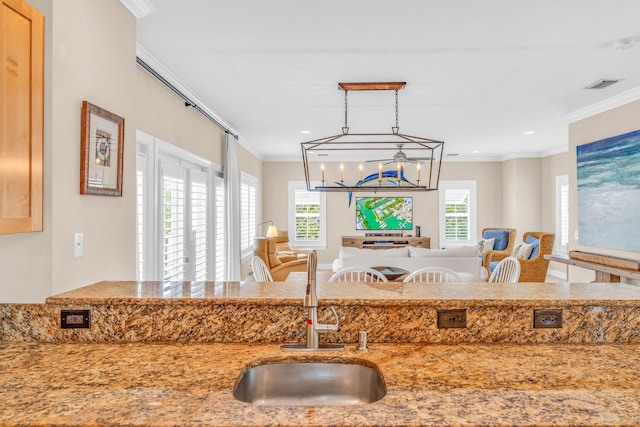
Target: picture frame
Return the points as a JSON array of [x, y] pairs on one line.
[[101, 151]]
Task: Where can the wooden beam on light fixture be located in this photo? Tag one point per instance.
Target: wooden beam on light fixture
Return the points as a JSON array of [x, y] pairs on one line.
[[373, 86]]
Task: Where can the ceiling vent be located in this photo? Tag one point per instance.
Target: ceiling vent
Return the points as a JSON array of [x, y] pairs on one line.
[[601, 84]]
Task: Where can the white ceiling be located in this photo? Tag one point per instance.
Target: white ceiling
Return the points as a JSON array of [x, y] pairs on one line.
[[479, 73]]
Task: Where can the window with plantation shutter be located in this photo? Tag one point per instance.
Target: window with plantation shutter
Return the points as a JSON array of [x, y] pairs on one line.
[[457, 213], [307, 217], [562, 214], [199, 226], [180, 214], [173, 223], [248, 184]]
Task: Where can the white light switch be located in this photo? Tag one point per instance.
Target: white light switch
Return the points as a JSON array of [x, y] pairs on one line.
[[78, 245], [575, 235]]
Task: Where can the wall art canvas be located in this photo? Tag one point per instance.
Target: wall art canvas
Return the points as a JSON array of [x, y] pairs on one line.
[[609, 192]]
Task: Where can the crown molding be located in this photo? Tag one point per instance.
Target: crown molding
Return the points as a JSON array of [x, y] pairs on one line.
[[159, 68], [604, 105], [139, 8]]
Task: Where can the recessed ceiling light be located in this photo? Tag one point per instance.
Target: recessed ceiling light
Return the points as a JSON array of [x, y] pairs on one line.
[[528, 132], [452, 154], [475, 151], [305, 131]]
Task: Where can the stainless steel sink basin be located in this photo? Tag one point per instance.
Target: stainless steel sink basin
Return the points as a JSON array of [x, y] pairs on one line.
[[310, 384]]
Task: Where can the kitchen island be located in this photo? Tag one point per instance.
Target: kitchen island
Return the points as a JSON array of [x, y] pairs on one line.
[[159, 354], [149, 384]]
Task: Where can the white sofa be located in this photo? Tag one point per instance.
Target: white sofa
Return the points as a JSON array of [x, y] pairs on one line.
[[459, 259]]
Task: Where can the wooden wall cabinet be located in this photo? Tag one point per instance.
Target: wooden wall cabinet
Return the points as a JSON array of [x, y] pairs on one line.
[[21, 117]]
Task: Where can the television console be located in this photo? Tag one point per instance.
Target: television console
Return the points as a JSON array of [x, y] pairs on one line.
[[385, 242]]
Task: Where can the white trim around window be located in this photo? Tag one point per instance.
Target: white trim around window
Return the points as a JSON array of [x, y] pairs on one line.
[[458, 224], [313, 211]]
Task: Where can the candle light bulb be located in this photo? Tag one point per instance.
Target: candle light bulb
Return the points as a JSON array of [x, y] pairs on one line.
[[360, 167], [322, 170], [418, 171], [379, 171], [341, 172]]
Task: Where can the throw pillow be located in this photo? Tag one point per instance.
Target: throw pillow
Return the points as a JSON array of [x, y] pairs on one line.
[[522, 251], [536, 245], [501, 238], [485, 246]]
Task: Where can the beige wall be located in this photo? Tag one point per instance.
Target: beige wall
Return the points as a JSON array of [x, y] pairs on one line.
[[90, 54], [162, 114], [522, 195], [341, 216], [616, 121], [85, 60], [25, 258]]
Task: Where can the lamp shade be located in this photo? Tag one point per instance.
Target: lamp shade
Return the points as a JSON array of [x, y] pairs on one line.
[[272, 231]]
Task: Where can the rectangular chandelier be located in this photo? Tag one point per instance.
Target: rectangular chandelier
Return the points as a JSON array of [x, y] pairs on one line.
[[370, 162]]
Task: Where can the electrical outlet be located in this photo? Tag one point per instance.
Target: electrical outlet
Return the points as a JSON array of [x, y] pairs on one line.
[[75, 319], [548, 318], [456, 318]]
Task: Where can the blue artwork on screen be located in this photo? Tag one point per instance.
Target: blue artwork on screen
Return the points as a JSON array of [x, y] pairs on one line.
[[609, 192]]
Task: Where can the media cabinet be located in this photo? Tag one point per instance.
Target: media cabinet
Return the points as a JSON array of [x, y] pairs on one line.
[[385, 242]]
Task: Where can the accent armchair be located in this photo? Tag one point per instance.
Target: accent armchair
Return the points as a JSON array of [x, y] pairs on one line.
[[533, 268], [505, 239], [265, 248], [283, 249]]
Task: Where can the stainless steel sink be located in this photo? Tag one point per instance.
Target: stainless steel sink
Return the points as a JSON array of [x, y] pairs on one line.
[[310, 384]]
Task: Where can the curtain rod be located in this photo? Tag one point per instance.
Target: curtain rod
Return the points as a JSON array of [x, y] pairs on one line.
[[188, 102]]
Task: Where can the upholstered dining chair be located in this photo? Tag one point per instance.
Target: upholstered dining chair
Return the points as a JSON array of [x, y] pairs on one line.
[[260, 270], [507, 271], [433, 274], [358, 274]]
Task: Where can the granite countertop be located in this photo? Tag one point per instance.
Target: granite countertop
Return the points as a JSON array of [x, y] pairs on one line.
[[191, 384], [370, 294]]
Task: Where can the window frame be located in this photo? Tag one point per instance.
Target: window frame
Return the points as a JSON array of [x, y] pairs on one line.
[[321, 244], [443, 187], [248, 218], [562, 227]]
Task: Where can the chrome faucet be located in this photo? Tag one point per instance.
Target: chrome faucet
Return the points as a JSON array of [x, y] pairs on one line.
[[314, 328]]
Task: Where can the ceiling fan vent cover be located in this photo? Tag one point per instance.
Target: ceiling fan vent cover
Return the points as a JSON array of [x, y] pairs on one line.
[[601, 84]]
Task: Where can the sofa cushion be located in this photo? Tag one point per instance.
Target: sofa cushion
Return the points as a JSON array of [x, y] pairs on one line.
[[501, 238], [458, 251], [536, 245], [522, 251], [348, 252], [485, 245]]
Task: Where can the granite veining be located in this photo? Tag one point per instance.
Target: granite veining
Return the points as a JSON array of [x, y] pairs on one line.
[[150, 384], [229, 312]]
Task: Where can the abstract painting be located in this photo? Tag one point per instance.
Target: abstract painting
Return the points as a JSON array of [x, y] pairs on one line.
[[609, 192]]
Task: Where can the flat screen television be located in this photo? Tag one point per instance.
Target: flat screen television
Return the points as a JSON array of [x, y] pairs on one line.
[[384, 213]]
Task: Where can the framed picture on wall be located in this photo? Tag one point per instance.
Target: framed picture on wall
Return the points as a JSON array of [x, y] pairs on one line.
[[101, 151]]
